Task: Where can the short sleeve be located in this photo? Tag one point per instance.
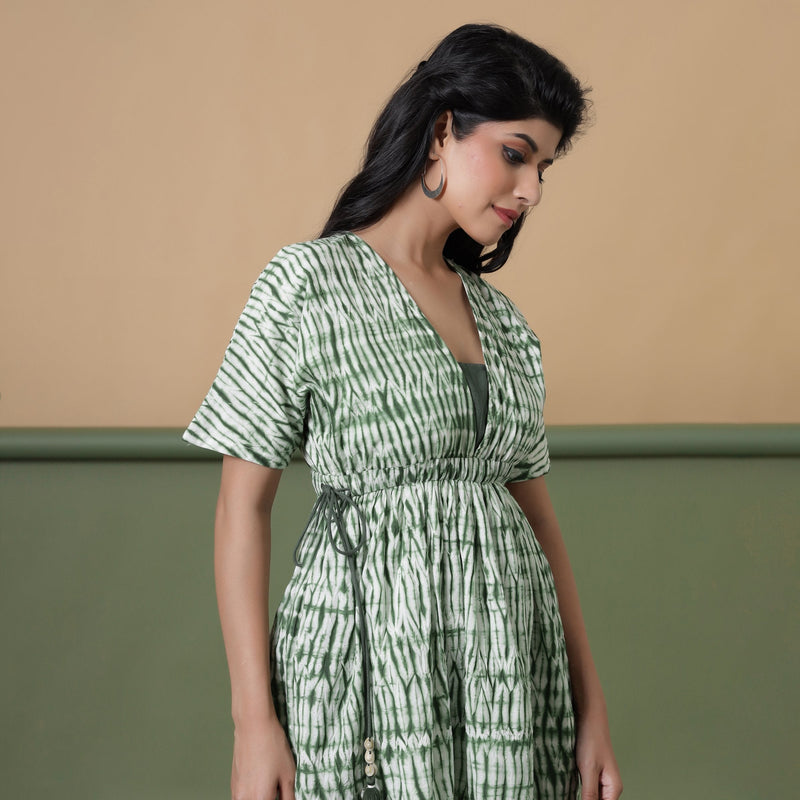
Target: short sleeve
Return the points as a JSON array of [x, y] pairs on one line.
[[535, 456], [534, 464], [256, 406]]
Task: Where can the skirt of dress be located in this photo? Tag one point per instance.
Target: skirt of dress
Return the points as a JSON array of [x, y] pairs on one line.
[[469, 679]]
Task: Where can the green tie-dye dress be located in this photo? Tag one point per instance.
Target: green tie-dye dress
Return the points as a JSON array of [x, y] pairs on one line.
[[465, 683]]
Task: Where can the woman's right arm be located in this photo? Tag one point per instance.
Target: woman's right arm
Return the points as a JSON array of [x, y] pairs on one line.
[[263, 765]]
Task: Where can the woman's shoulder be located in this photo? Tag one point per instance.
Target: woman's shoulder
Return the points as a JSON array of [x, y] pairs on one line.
[[301, 267], [319, 260], [319, 253]]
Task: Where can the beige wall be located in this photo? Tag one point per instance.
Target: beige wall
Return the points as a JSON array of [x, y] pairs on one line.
[[154, 155]]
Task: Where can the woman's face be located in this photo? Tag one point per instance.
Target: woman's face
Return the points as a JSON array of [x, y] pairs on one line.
[[494, 174]]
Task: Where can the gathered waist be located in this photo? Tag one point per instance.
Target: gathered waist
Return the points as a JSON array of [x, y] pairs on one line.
[[467, 470]]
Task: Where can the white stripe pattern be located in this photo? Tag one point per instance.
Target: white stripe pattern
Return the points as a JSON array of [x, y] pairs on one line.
[[470, 686]]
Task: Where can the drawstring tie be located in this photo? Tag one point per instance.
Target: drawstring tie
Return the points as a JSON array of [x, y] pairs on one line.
[[330, 507]]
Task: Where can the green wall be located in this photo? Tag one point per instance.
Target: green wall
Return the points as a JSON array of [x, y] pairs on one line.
[[114, 684]]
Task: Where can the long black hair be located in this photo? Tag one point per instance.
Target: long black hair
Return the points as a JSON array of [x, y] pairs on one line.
[[479, 73]]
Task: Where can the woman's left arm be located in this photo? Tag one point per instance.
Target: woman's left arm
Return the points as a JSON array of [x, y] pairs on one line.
[[600, 776]]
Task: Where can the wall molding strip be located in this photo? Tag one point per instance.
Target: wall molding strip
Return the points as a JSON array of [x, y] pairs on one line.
[[566, 441]]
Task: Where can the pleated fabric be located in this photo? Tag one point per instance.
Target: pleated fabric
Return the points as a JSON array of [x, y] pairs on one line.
[[469, 679]]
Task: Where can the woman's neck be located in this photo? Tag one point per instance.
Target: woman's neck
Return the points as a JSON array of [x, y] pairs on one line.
[[413, 232]]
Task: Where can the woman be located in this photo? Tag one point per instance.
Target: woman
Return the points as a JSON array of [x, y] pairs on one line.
[[418, 651]]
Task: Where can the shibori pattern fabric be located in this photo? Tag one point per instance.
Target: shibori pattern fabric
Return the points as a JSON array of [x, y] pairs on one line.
[[466, 656]]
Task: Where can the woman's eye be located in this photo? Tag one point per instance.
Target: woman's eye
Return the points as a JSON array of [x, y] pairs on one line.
[[514, 156], [541, 177]]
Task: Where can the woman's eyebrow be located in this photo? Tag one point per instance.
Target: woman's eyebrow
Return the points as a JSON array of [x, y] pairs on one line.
[[534, 147]]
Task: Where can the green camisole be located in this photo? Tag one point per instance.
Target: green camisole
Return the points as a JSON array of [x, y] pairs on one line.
[[476, 379]]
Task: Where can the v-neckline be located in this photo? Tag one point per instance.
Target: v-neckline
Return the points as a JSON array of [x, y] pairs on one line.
[[409, 299]]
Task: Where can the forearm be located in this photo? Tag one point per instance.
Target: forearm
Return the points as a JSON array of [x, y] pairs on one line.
[[534, 501], [586, 689], [594, 755], [241, 566]]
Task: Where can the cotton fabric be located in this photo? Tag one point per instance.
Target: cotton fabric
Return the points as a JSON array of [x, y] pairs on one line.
[[470, 685]]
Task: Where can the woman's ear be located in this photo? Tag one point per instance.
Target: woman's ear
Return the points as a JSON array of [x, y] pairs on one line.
[[442, 132]]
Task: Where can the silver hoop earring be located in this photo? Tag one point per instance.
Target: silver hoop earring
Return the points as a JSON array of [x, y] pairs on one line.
[[433, 194]]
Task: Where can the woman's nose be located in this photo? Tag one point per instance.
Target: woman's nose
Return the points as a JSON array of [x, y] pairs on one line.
[[529, 190]]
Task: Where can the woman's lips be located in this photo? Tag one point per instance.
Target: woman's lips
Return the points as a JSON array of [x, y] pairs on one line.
[[506, 214]]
